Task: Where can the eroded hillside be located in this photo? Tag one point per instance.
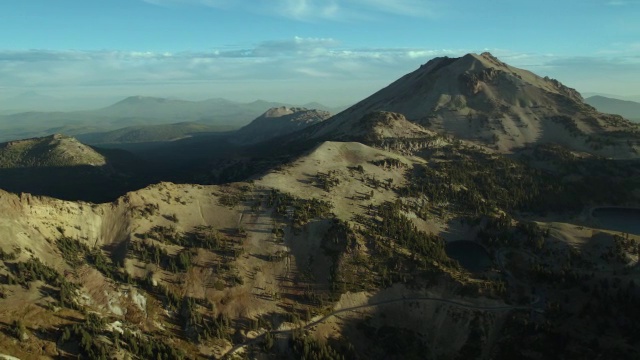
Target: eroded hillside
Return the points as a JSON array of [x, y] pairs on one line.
[[339, 253]]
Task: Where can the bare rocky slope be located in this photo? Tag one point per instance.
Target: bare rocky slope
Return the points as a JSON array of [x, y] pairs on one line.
[[262, 267], [378, 126], [278, 121], [257, 254], [480, 98]]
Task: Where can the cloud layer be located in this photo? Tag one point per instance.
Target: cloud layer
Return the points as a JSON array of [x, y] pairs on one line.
[[321, 68], [270, 60], [310, 10]]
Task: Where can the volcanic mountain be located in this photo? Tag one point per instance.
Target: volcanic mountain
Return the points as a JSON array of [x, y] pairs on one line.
[[480, 98], [334, 249], [279, 121]]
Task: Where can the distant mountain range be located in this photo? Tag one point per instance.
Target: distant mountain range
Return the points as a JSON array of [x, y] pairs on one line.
[[635, 98], [34, 101], [475, 98], [212, 111], [150, 133], [217, 114], [625, 108]]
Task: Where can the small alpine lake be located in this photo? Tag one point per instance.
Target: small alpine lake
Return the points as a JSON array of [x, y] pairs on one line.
[[618, 219], [471, 255]]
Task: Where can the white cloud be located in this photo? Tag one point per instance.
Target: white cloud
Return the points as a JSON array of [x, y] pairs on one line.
[[621, 49], [210, 3], [312, 10], [296, 46], [305, 9], [622, 2], [303, 63], [311, 72], [321, 68], [414, 8]]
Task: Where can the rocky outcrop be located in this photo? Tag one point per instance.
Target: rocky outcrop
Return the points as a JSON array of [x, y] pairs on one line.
[[278, 121]]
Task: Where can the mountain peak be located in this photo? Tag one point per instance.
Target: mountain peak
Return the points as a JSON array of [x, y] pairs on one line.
[[142, 99], [475, 62], [480, 98], [279, 121], [489, 57], [280, 111], [57, 137], [485, 56]]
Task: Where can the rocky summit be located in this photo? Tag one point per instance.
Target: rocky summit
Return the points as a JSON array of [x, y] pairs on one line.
[[279, 121], [482, 99]]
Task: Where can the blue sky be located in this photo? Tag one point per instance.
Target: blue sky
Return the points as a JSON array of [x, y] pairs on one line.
[[333, 51]]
